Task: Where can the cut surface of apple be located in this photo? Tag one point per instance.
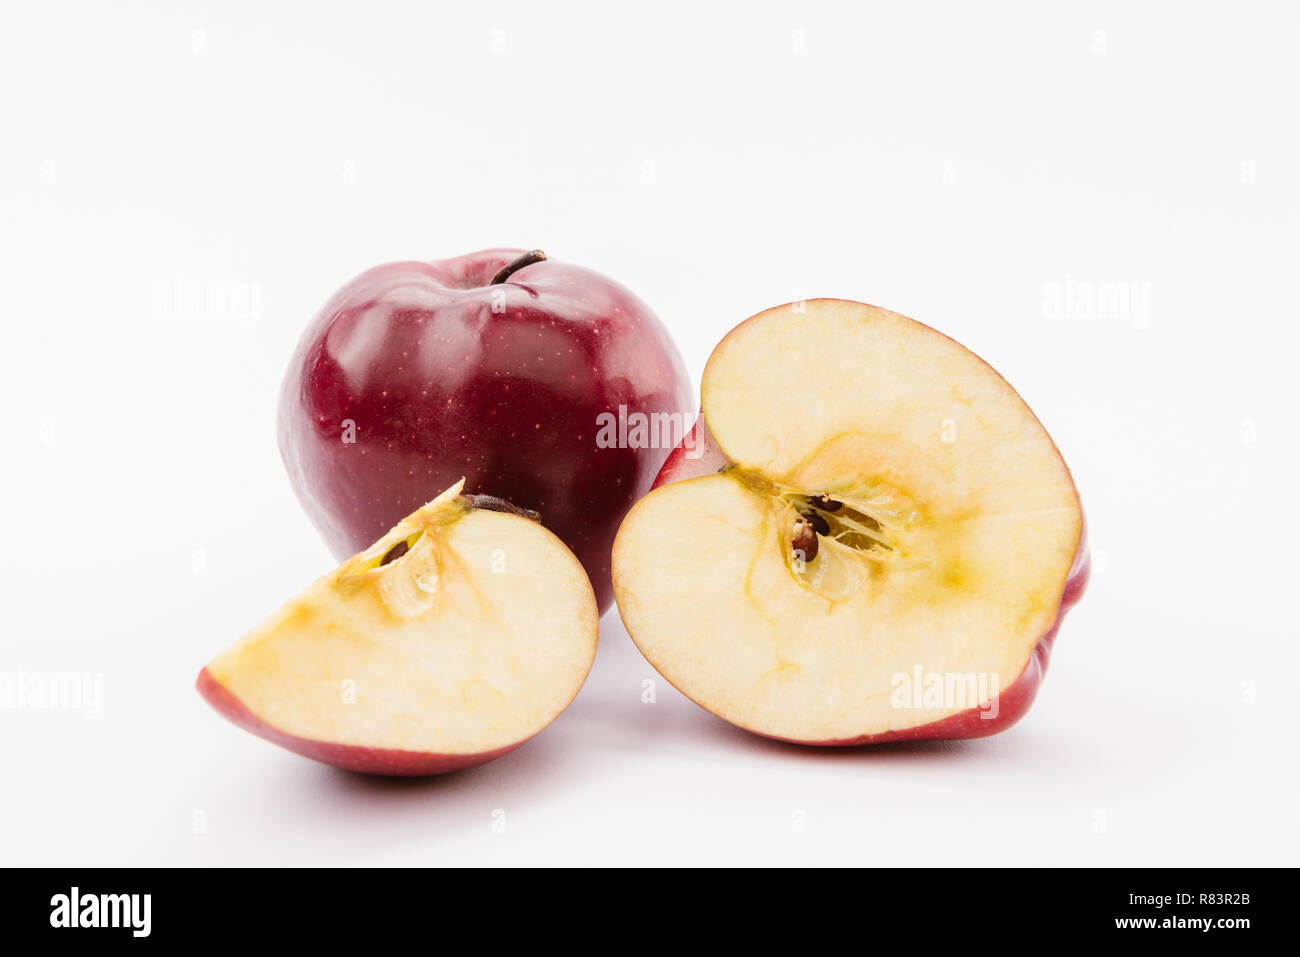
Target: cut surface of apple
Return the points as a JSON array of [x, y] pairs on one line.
[[453, 639], [875, 509]]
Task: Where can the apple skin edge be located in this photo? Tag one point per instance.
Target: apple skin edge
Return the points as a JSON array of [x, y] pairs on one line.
[[1013, 703], [698, 454], [348, 757]]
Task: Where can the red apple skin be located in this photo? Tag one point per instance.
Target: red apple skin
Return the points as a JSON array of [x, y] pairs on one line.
[[698, 454], [444, 376], [391, 762]]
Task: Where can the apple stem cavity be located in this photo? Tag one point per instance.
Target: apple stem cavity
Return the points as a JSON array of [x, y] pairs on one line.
[[512, 267]]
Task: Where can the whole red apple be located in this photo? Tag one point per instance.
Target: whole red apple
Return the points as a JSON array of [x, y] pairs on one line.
[[501, 367]]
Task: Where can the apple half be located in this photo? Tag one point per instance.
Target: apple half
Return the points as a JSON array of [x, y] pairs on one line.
[[868, 537], [452, 640]]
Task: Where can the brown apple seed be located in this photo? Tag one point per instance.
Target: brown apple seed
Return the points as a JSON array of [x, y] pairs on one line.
[[394, 553], [825, 503], [818, 522], [805, 540]]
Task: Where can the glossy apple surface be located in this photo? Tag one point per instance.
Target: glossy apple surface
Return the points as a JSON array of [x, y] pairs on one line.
[[415, 374]]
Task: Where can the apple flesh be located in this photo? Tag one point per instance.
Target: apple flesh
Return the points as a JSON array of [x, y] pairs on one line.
[[882, 549], [501, 367], [452, 640]]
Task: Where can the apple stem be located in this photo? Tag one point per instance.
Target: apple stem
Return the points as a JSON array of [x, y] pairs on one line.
[[494, 504], [512, 267]]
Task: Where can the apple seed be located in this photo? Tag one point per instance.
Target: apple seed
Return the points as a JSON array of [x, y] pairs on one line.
[[804, 542], [818, 522], [394, 553]]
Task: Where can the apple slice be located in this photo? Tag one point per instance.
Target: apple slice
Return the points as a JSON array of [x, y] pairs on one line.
[[453, 639], [872, 537]]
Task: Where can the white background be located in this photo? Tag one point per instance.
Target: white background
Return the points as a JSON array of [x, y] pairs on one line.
[[985, 172]]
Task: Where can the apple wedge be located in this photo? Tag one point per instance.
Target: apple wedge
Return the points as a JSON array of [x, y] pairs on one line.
[[452, 640], [868, 537]]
